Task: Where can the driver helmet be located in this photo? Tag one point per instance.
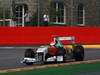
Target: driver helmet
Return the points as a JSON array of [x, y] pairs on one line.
[[52, 43]]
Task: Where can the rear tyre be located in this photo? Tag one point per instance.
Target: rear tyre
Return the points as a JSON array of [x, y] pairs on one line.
[[78, 53]]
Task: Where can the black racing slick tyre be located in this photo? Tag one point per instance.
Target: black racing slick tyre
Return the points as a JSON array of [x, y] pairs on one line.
[[78, 53], [29, 63], [47, 56], [29, 53]]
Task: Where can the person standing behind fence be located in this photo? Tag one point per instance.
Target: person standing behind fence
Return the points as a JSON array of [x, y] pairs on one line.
[[45, 19]]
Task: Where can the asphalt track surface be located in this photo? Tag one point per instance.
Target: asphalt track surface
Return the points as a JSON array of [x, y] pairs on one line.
[[10, 57]]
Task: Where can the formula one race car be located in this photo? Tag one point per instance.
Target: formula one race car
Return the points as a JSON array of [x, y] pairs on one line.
[[55, 52]]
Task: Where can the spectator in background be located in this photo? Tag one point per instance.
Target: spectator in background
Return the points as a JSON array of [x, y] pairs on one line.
[[45, 19]]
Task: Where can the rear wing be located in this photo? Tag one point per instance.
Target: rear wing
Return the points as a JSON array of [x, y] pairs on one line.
[[68, 38], [65, 38]]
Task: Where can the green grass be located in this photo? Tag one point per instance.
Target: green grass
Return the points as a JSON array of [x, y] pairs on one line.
[[62, 70]]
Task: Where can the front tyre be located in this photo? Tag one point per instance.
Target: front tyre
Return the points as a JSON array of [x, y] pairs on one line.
[[29, 54], [29, 63]]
